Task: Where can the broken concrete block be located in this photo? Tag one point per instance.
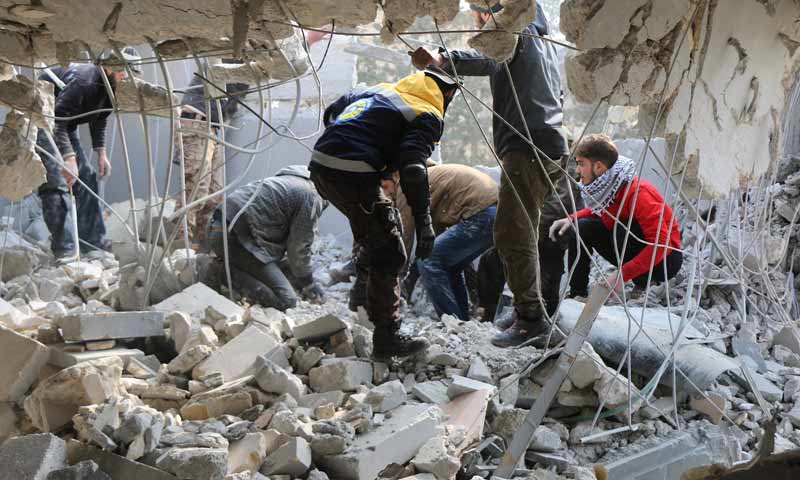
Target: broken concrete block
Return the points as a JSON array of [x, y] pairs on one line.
[[32, 96], [188, 359], [116, 466], [325, 412], [507, 422], [109, 325], [387, 396], [396, 441], [61, 356], [196, 300], [509, 390], [11, 316], [768, 390], [794, 415], [433, 458], [790, 389], [32, 456], [713, 407], [431, 392], [587, 368], [788, 337], [180, 327], [319, 329], [21, 167], [466, 414], [612, 388], [85, 470], [232, 404], [545, 440], [8, 421], [23, 359], [479, 371], [247, 454], [237, 358], [315, 400], [308, 359], [192, 463], [292, 458], [462, 385], [55, 400], [274, 379], [340, 375]]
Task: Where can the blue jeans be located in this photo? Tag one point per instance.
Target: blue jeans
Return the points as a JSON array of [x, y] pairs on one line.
[[443, 271]]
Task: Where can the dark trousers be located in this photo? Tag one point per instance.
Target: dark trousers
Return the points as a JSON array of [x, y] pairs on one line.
[[55, 197], [376, 230], [598, 238], [261, 282]]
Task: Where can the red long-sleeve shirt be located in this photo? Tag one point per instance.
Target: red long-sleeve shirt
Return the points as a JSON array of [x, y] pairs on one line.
[[646, 213]]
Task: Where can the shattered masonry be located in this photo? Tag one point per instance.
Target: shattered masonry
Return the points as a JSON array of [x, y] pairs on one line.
[[97, 383]]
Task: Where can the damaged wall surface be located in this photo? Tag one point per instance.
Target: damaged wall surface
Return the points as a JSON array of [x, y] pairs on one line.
[[723, 100]]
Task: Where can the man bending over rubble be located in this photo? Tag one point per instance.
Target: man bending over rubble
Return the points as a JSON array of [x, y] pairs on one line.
[[392, 126], [84, 91], [611, 191], [277, 217], [463, 207]]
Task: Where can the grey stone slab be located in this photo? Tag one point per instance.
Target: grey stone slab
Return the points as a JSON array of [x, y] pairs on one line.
[[431, 392], [60, 358], [116, 466], [314, 400], [237, 358], [32, 457], [196, 299], [396, 441], [23, 358], [111, 325], [319, 329]]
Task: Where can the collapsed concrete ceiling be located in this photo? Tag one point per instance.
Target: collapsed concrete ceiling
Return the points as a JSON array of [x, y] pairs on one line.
[[724, 98]]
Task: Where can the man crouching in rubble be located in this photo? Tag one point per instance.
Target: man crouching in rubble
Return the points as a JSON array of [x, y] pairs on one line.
[[81, 96], [463, 206], [610, 191], [268, 219], [385, 128]]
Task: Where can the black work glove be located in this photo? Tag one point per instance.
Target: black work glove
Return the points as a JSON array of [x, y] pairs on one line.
[[425, 235]]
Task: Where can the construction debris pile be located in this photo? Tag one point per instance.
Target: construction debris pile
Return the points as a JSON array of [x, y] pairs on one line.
[[198, 386]]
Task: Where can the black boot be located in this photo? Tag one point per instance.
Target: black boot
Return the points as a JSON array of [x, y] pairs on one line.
[[387, 343], [358, 294], [520, 331]]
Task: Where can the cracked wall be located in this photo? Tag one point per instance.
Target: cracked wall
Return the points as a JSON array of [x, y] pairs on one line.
[[725, 98]]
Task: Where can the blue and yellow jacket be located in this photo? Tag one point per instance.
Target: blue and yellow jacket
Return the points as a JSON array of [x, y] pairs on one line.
[[382, 128]]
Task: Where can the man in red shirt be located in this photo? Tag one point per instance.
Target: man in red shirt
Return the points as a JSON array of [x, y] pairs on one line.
[[612, 195]]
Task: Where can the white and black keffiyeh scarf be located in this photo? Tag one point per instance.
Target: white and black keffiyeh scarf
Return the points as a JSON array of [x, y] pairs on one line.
[[599, 194]]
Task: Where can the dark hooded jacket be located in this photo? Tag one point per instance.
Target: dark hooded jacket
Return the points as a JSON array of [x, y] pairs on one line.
[[281, 220], [534, 72], [84, 92]]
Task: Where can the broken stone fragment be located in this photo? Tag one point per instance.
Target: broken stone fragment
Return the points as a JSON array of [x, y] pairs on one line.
[[788, 337], [479, 371], [274, 379], [193, 463], [462, 385], [192, 439], [85, 470], [232, 404], [55, 400], [34, 96], [315, 400], [433, 458], [20, 166], [387, 396], [587, 368], [545, 440], [24, 359], [32, 456], [507, 421], [237, 358], [247, 454], [292, 458], [612, 388], [319, 329], [110, 325], [188, 359], [343, 374], [396, 441], [135, 95], [306, 359]]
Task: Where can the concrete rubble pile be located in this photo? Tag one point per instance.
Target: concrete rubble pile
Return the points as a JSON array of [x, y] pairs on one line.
[[197, 386]]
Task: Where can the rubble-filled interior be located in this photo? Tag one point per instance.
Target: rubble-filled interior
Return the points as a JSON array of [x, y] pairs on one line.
[[135, 363]]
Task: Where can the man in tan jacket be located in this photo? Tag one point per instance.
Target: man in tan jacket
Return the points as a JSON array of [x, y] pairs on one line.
[[463, 207]]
